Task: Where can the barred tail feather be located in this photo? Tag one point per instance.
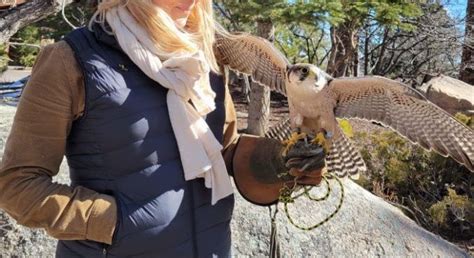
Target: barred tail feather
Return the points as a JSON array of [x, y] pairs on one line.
[[280, 131], [343, 159]]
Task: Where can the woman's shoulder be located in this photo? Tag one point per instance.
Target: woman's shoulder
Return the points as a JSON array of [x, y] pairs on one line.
[[57, 65], [57, 56], [61, 49]]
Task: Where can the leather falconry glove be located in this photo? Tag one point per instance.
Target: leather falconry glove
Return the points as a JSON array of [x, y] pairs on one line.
[[263, 166], [270, 163]]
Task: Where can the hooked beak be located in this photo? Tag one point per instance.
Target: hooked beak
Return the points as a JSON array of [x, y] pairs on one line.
[[289, 69], [329, 78]]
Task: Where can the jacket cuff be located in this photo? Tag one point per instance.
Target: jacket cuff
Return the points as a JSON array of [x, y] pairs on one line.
[[102, 221]]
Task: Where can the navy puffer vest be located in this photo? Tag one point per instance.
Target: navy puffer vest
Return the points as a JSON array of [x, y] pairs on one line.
[[124, 146]]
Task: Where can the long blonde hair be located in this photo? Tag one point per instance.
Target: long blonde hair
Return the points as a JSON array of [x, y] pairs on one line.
[[198, 34]]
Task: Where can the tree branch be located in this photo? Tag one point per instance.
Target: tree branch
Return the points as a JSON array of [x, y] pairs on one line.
[[17, 17]]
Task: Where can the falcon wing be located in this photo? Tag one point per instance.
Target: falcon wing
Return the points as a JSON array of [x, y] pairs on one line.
[[406, 111], [253, 56]]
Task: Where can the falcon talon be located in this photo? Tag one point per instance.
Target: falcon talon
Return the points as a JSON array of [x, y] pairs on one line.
[[320, 139], [294, 138]]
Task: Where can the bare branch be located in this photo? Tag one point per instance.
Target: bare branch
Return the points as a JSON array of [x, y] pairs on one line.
[[15, 18]]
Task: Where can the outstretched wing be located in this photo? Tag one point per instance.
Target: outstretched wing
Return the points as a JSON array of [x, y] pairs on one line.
[[406, 111], [253, 56]]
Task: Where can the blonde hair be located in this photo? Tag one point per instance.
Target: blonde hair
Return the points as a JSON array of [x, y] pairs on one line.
[[198, 34]]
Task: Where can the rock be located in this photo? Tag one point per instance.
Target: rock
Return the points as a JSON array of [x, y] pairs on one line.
[[450, 94], [365, 226], [14, 73]]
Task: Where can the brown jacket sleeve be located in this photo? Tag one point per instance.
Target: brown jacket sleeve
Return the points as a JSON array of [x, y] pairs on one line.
[[250, 154], [51, 100], [256, 163]]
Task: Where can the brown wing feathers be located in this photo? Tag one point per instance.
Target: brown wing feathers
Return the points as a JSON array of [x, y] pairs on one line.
[[253, 56], [372, 98], [404, 110]]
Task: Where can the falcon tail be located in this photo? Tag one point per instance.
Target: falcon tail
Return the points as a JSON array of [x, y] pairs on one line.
[[343, 159], [280, 131]]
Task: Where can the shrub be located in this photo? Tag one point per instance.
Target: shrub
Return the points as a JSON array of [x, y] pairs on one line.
[[465, 119], [3, 58], [24, 54], [454, 211], [437, 190], [346, 127]]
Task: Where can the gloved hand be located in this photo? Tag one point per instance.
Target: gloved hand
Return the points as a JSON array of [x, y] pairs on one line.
[[262, 166], [306, 161]]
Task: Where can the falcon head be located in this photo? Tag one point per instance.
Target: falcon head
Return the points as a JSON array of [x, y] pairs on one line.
[[307, 77]]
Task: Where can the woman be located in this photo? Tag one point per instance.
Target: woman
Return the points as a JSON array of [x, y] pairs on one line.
[[147, 125]]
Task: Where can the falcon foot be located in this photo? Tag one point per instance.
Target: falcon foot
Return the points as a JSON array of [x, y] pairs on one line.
[[321, 139], [294, 138]]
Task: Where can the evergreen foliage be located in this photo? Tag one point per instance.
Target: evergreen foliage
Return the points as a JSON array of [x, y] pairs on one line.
[[25, 54], [3, 58], [53, 27]]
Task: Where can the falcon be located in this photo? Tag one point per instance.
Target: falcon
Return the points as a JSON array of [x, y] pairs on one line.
[[315, 100]]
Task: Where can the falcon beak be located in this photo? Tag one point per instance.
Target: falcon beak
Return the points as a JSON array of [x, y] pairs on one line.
[[289, 69], [328, 77], [330, 80]]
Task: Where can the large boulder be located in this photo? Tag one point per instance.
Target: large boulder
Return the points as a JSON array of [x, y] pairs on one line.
[[366, 226], [450, 94]]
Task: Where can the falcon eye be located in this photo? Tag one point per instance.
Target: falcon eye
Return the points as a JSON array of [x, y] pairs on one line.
[[304, 70]]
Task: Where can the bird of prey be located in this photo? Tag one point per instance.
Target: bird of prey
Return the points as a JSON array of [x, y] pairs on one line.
[[315, 100]]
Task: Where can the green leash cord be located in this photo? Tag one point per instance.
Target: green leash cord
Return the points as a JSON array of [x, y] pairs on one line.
[[285, 198]]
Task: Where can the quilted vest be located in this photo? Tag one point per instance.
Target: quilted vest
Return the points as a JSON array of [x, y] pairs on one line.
[[124, 146]]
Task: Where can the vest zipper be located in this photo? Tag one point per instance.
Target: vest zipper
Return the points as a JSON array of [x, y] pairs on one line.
[[193, 224], [105, 250]]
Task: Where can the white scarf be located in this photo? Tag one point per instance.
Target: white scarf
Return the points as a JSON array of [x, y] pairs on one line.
[[187, 78]]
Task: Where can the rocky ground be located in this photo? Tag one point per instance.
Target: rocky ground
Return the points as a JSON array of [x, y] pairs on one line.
[[366, 226]]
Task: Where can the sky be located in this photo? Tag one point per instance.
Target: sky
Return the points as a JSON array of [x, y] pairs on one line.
[[456, 8]]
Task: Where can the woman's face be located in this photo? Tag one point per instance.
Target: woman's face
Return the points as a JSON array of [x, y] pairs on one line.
[[178, 10]]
